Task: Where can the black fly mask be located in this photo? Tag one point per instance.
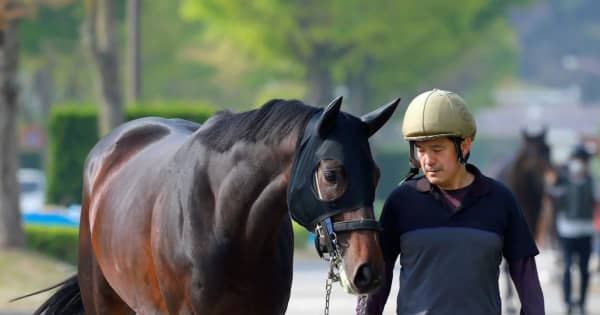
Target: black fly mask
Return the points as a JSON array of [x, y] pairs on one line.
[[334, 135]]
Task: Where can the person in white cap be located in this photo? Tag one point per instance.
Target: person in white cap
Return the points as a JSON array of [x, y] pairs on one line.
[[574, 200]]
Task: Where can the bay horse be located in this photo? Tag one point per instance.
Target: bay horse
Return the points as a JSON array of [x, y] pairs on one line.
[[186, 218], [524, 176]]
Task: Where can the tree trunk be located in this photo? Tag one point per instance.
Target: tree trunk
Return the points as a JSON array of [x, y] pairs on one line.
[[11, 232], [43, 83], [133, 51], [357, 91], [358, 86], [102, 39], [320, 83]]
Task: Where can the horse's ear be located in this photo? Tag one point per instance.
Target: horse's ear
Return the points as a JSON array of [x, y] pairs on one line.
[[524, 133], [377, 118], [328, 117], [544, 131]]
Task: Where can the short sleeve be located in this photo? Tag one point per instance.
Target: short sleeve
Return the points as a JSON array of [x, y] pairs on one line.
[[518, 241]]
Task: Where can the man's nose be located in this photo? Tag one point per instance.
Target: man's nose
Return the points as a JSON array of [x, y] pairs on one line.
[[429, 159]]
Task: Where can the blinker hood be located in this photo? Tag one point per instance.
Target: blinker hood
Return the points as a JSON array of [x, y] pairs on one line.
[[345, 140]]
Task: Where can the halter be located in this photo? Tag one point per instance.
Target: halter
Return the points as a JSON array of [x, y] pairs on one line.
[[328, 247], [326, 237]]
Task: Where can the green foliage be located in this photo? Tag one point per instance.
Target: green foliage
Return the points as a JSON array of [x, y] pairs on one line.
[[393, 163], [187, 111], [59, 242], [168, 66], [55, 25], [392, 43], [300, 235], [72, 133]]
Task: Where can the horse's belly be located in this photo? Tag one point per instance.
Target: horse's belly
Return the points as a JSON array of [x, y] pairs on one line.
[[265, 297]]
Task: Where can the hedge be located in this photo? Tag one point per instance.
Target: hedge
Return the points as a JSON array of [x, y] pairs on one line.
[[72, 132], [59, 242], [300, 235], [393, 163]]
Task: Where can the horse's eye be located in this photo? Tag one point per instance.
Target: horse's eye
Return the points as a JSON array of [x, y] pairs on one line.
[[330, 176]]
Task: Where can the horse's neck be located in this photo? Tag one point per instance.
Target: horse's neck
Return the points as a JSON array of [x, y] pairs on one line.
[[250, 197]]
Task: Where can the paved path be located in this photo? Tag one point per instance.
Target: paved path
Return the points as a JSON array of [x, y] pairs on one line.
[[308, 290]]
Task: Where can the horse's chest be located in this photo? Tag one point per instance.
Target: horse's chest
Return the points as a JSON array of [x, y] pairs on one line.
[[245, 288]]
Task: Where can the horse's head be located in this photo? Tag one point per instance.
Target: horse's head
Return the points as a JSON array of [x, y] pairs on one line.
[[331, 192], [535, 151]]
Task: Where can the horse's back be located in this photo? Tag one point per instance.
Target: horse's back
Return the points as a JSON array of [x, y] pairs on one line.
[[130, 138]]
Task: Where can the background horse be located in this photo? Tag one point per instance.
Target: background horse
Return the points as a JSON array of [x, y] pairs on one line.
[[183, 218], [524, 176]]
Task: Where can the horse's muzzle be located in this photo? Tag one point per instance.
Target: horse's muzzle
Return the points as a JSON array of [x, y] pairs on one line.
[[366, 278]]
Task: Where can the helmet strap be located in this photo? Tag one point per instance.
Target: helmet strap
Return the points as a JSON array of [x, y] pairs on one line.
[[462, 159], [413, 164]]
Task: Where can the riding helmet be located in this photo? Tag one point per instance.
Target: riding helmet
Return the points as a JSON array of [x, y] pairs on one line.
[[437, 113]]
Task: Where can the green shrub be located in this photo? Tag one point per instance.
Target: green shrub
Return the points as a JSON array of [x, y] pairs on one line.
[[57, 241], [393, 163], [194, 112], [72, 132], [300, 235]]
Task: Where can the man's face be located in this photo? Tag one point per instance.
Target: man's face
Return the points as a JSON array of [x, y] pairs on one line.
[[439, 160]]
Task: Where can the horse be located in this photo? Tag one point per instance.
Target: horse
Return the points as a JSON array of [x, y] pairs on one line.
[[524, 176], [185, 218]]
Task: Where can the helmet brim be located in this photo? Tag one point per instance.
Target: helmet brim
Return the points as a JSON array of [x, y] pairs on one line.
[[429, 137]]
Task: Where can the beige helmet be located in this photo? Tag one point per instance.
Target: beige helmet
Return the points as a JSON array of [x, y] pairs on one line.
[[437, 113]]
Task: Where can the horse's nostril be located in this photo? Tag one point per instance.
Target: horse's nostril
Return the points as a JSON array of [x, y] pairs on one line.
[[364, 277]]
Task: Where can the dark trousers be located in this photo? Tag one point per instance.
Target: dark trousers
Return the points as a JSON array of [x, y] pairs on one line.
[[582, 248]]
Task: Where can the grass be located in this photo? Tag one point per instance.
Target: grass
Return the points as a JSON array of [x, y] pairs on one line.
[[23, 272]]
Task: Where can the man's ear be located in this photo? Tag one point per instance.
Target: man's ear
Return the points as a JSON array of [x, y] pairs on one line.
[[465, 145]]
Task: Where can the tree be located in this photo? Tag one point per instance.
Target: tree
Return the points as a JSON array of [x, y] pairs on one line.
[[300, 34], [11, 233], [102, 41], [372, 48], [49, 42], [133, 51], [559, 45]]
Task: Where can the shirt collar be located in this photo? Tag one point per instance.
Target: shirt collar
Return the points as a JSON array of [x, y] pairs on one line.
[[480, 185]]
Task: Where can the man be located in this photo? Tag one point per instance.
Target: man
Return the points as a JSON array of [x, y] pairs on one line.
[[573, 196], [452, 226]]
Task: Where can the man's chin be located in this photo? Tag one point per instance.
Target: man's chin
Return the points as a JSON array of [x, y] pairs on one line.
[[433, 179]]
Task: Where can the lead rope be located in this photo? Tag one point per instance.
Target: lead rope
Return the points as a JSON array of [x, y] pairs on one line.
[[331, 278]]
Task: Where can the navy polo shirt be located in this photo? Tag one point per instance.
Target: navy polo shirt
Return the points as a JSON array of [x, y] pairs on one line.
[[450, 257]]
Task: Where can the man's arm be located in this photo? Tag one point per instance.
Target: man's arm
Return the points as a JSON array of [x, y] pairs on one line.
[[523, 272]]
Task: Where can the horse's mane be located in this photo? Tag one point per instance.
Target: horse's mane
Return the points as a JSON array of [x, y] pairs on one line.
[[271, 123]]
